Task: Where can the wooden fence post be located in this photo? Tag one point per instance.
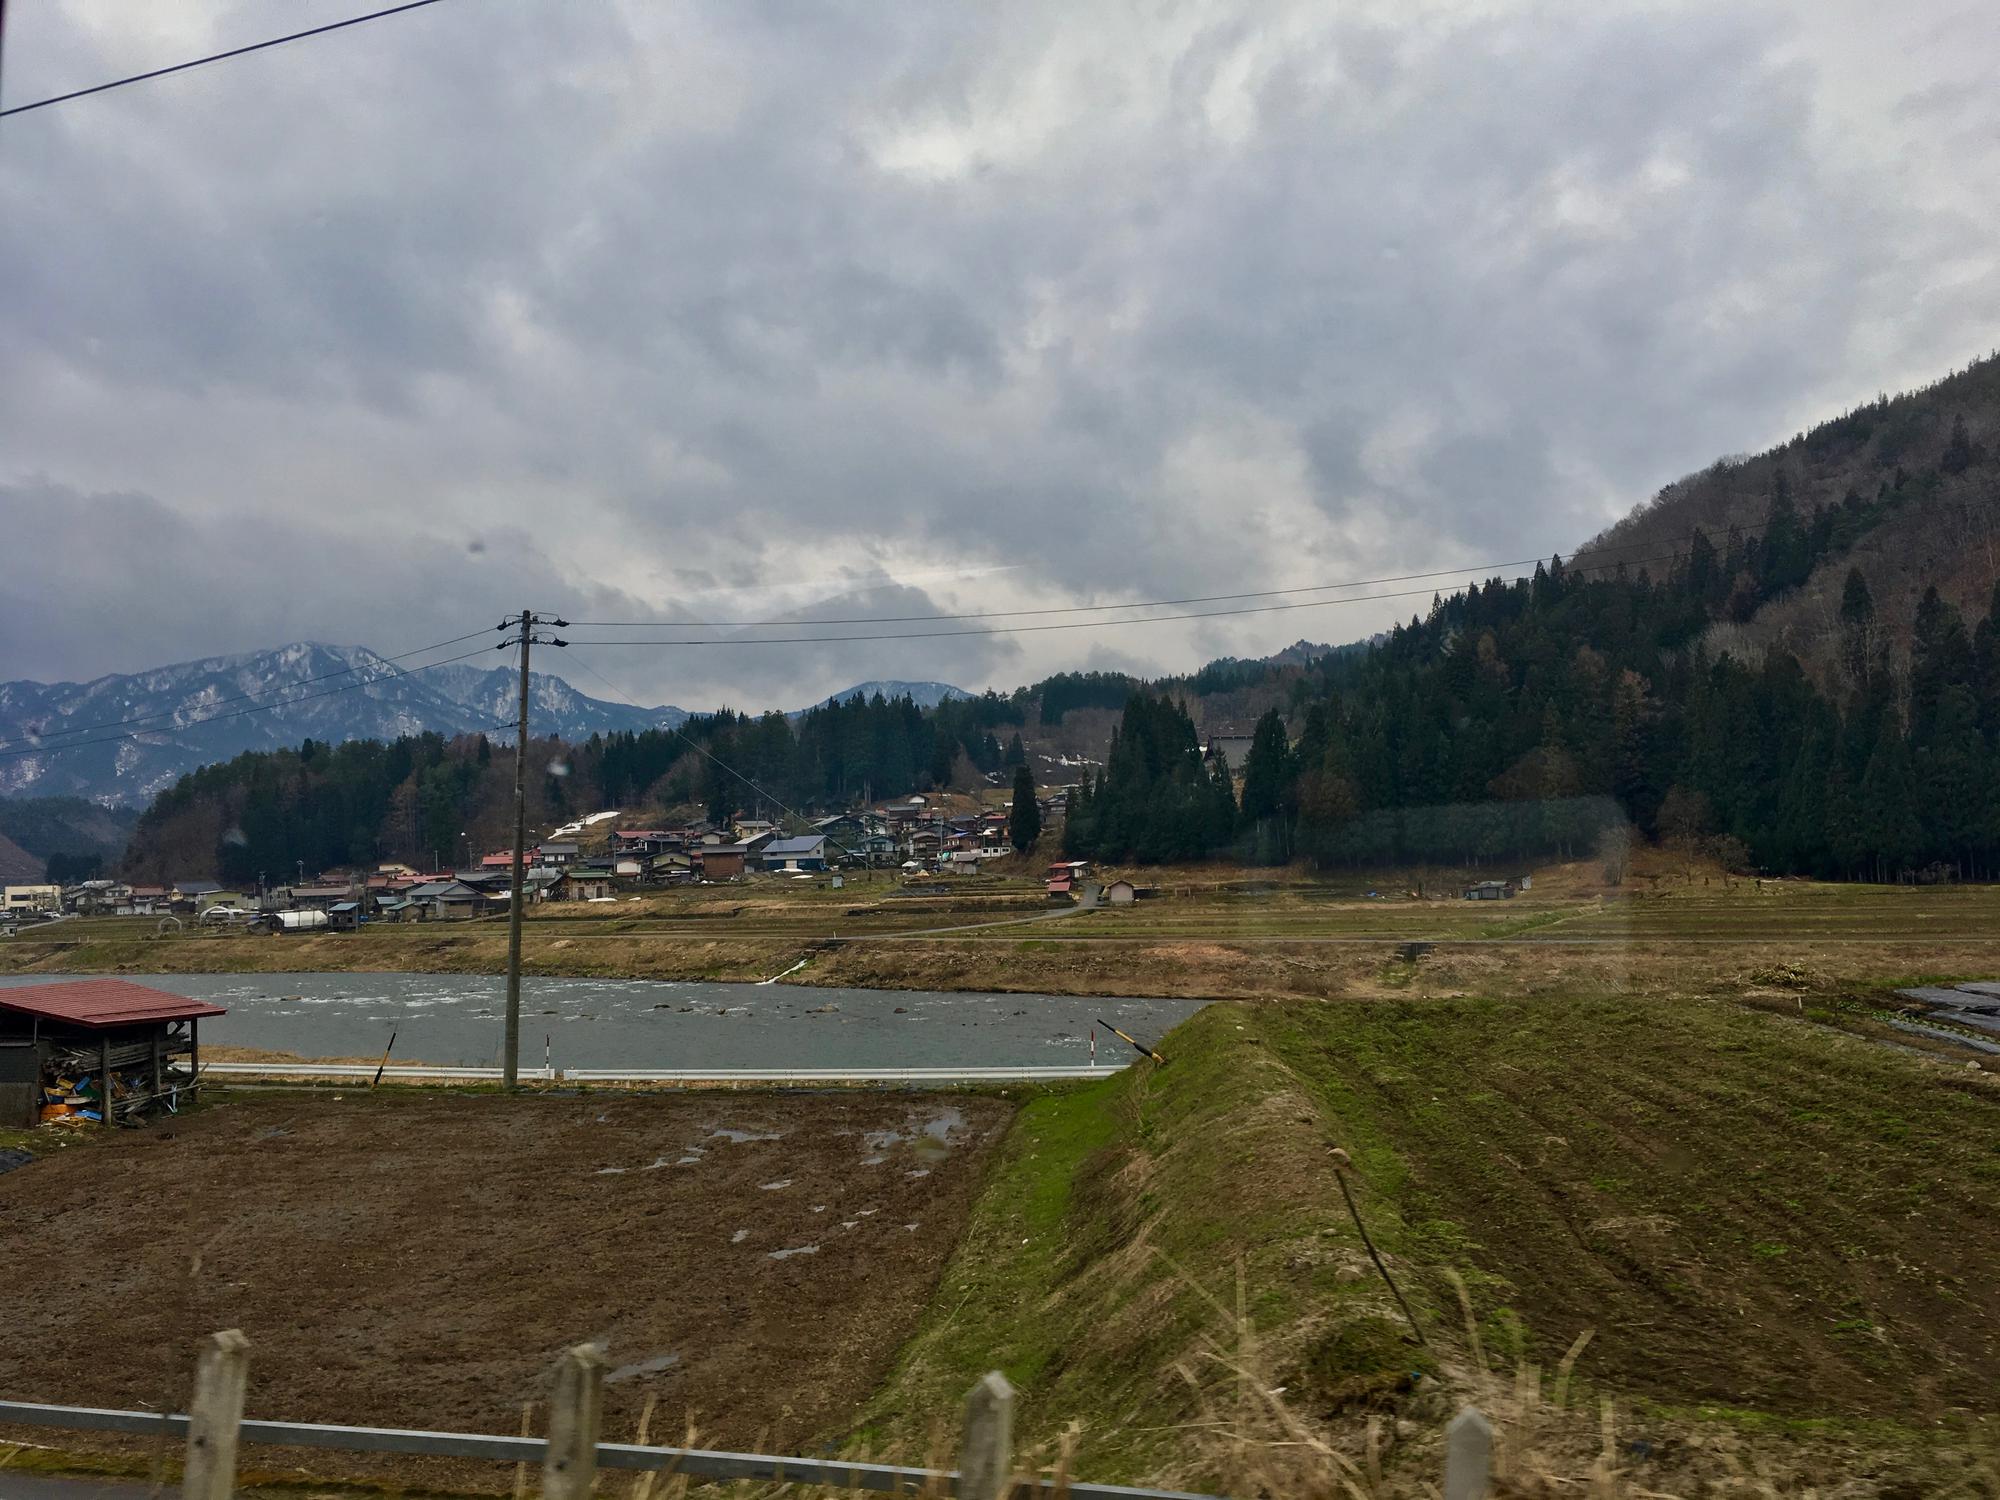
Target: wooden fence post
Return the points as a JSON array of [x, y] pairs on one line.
[[221, 1374], [1468, 1456], [986, 1449], [576, 1410]]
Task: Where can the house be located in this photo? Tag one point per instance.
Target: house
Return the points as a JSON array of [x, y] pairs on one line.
[[720, 861], [102, 896], [318, 897], [1489, 890], [96, 1049], [398, 909], [647, 841], [665, 868], [187, 894], [750, 828], [146, 901], [876, 849], [24, 898], [453, 900], [1064, 875], [807, 852], [539, 885], [756, 843], [587, 882], [559, 853], [504, 860]]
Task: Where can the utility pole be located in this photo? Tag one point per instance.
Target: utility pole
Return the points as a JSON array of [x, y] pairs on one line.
[[511, 1062]]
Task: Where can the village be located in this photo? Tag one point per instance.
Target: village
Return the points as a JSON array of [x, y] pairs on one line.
[[592, 859]]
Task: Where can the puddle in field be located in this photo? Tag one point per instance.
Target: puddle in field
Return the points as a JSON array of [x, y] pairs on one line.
[[772, 1187], [651, 1366], [739, 1237], [738, 1137], [930, 1141], [795, 1250]]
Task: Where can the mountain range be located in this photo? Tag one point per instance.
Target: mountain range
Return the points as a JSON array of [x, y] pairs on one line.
[[127, 737]]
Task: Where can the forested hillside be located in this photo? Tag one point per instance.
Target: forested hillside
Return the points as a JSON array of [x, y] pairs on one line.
[[1792, 660], [433, 802], [1904, 488]]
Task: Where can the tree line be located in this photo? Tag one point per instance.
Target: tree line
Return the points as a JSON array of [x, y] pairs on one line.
[[1539, 717], [1517, 719]]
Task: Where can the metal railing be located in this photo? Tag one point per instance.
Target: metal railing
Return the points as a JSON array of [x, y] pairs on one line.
[[666, 1075], [570, 1455]]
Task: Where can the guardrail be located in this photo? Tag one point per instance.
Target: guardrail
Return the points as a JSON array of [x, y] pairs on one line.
[[570, 1455], [664, 1075], [368, 1070], [830, 1075]]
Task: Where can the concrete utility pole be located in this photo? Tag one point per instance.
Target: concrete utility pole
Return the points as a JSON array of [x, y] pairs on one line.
[[511, 1062]]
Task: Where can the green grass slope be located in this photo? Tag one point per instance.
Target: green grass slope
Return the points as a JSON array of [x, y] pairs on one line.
[[1764, 1224]]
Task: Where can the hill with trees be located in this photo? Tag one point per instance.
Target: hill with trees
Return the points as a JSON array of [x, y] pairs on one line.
[[1792, 660], [1904, 489]]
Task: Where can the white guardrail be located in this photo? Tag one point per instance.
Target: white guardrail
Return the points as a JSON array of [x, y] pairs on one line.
[[366, 1070], [662, 1075]]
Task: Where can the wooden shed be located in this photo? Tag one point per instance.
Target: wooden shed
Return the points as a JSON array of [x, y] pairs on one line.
[[103, 1049]]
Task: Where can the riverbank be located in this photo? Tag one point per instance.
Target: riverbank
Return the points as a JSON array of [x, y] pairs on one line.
[[1818, 944]]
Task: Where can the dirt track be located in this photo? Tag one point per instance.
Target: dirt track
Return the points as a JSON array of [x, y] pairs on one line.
[[418, 1261]]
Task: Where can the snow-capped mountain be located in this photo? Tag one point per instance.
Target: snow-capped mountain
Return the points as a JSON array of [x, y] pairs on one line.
[[127, 737], [923, 694]]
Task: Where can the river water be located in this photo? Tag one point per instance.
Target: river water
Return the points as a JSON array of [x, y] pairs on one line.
[[456, 1019]]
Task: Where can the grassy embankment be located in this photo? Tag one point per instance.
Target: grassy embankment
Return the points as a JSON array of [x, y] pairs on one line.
[[1777, 1235]]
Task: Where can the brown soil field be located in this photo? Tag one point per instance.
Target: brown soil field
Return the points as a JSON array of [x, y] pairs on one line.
[[416, 1260]]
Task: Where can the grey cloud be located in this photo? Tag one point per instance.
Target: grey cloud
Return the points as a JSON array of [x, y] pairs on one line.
[[760, 296]]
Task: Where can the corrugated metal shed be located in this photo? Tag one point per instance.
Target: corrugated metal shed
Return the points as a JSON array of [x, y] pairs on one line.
[[104, 1003]]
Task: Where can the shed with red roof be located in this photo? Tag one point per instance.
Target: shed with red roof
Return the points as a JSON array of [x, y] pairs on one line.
[[98, 1049]]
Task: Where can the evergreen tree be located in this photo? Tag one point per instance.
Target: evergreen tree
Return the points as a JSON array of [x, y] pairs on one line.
[[1024, 819], [1958, 451], [1860, 648], [1891, 832], [1268, 772]]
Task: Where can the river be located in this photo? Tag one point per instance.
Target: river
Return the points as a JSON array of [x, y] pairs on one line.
[[456, 1019]]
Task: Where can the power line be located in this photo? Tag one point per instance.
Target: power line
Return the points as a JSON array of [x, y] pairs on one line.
[[691, 743], [1068, 609], [262, 708], [168, 713], [1208, 614], [276, 41]]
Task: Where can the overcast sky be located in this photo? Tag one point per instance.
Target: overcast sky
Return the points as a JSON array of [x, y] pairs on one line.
[[737, 311]]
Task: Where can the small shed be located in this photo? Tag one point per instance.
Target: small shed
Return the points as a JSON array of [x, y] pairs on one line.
[[344, 916], [99, 1049], [1489, 890], [721, 861], [1121, 893]]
